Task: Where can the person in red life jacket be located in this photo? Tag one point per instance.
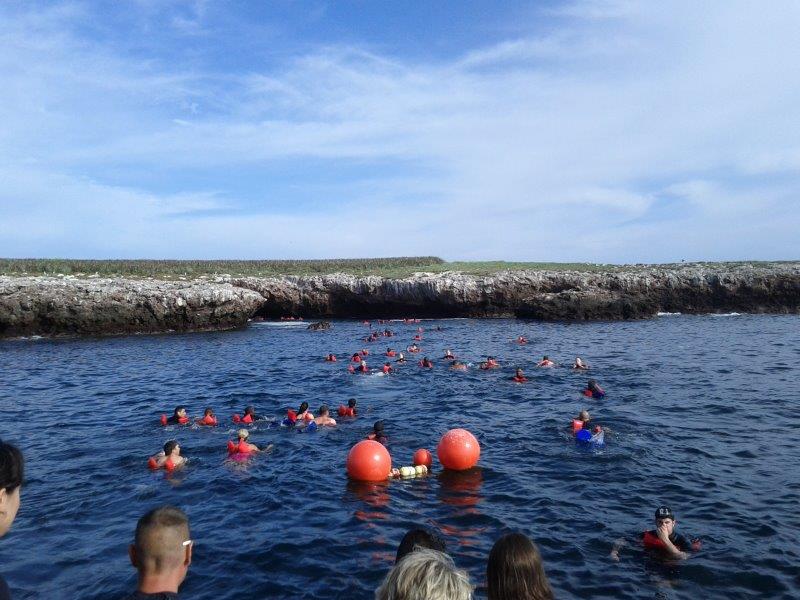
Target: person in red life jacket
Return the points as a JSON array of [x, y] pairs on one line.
[[387, 368], [243, 446], [593, 390], [330, 358], [663, 539], [413, 348], [178, 417], [457, 365], [546, 362], [351, 369], [390, 352], [490, 363], [250, 416], [355, 358], [582, 422], [349, 410], [377, 433], [169, 458], [401, 358], [425, 363], [363, 368], [579, 364], [522, 340], [519, 376], [388, 333], [364, 352], [448, 355], [303, 414], [208, 418], [324, 418]]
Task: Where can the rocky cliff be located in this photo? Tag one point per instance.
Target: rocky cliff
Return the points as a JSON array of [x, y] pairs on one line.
[[55, 306]]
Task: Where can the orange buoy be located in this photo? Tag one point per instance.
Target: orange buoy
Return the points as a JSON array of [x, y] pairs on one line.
[[422, 457], [458, 450], [369, 460]]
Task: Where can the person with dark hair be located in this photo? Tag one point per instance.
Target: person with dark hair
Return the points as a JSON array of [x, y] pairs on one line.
[[303, 414], [378, 434], [593, 390], [546, 362], [250, 415], [515, 570], [161, 553], [663, 540], [324, 419], [178, 417], [170, 458], [12, 471], [418, 538]]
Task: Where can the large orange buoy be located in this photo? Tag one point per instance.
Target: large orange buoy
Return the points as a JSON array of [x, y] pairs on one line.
[[458, 450], [369, 460], [422, 457]]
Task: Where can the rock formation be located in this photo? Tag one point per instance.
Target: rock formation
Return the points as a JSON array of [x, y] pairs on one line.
[[70, 306]]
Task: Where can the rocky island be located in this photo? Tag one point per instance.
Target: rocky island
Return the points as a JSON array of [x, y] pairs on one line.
[[77, 305]]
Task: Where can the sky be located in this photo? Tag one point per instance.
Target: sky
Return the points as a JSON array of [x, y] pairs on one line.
[[579, 131]]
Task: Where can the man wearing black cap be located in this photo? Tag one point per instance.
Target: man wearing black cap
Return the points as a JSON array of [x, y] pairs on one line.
[[663, 538]]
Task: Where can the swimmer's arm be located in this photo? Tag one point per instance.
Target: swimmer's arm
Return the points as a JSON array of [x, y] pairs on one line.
[[673, 550], [618, 545]]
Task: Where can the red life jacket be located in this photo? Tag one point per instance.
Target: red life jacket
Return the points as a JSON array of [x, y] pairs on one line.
[[652, 541], [577, 425], [387, 369], [391, 353], [520, 379], [241, 447], [363, 368], [247, 419], [588, 393], [351, 368], [208, 420]]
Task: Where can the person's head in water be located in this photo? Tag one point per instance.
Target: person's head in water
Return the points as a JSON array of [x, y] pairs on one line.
[[417, 539], [592, 385], [665, 518], [515, 570], [162, 550], [545, 358], [584, 416], [351, 403], [243, 434], [208, 412], [323, 410], [12, 471], [303, 408], [171, 447], [180, 411], [519, 372], [377, 429], [250, 410]]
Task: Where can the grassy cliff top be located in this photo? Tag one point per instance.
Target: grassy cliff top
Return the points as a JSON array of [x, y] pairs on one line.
[[385, 267]]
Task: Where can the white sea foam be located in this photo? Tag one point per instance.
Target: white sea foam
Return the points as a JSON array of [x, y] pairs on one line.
[[667, 314], [733, 314]]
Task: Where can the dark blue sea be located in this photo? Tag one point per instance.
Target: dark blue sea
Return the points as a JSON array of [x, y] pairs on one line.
[[703, 413]]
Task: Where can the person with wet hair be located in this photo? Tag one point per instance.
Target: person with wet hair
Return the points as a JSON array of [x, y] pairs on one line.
[[418, 539], [324, 418], [161, 553], [170, 454], [378, 433], [178, 416], [425, 575], [12, 471], [303, 414], [515, 571]]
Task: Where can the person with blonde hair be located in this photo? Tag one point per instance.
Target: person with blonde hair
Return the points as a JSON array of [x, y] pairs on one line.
[[425, 575], [515, 570]]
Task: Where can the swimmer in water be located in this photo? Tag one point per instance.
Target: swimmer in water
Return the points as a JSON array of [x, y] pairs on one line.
[[593, 390], [303, 413], [387, 368], [363, 368], [448, 355], [364, 352], [457, 365], [413, 348], [546, 362], [663, 539], [377, 433], [324, 419], [519, 376], [426, 363], [490, 363], [390, 352], [522, 340], [579, 364], [356, 357], [330, 358], [251, 412], [351, 405], [208, 418], [172, 453], [401, 358], [178, 416], [243, 436]]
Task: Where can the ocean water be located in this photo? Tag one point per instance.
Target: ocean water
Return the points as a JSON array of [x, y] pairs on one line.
[[703, 413]]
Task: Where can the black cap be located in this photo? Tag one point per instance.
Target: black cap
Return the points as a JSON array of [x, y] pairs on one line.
[[378, 426], [664, 512]]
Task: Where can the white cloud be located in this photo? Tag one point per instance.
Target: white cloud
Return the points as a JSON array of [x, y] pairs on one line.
[[559, 146]]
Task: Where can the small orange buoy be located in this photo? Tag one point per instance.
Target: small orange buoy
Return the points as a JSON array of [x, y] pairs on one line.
[[458, 450], [369, 460], [422, 457]]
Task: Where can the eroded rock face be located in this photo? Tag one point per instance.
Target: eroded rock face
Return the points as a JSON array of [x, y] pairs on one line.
[[67, 306], [61, 306]]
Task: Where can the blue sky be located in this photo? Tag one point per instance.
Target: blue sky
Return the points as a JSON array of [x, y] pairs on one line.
[[589, 130]]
